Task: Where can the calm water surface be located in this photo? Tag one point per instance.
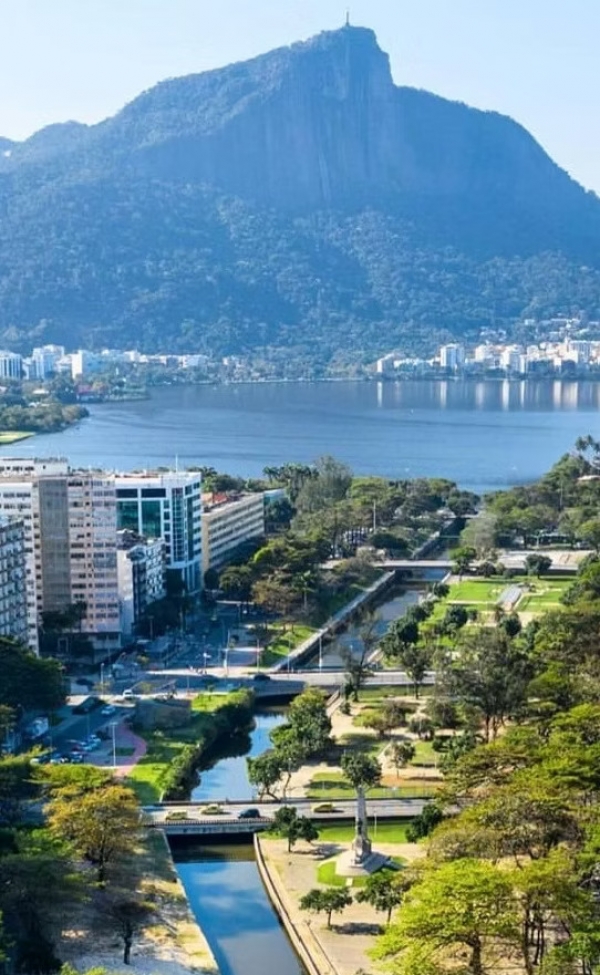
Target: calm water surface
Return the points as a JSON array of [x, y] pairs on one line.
[[484, 435], [230, 903], [227, 779]]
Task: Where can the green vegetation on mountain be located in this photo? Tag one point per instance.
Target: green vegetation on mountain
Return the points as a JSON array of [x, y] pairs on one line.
[[300, 202]]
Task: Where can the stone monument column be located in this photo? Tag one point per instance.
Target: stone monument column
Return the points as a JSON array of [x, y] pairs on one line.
[[361, 844]]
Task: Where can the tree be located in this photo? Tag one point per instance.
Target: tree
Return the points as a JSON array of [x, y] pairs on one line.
[[29, 681], [455, 618], [16, 787], [487, 672], [292, 827], [125, 912], [102, 825], [264, 772], [480, 534], [309, 721], [402, 753], [415, 659], [538, 564], [356, 666], [463, 909], [331, 900], [236, 583], [425, 823], [362, 771], [462, 559], [384, 890]]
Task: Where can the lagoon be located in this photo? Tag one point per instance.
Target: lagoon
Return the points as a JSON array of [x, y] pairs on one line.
[[483, 434]]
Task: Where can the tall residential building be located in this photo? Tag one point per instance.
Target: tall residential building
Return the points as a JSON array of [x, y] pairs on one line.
[[70, 529], [167, 506], [11, 365], [141, 571], [227, 524], [44, 360], [452, 356], [13, 579]]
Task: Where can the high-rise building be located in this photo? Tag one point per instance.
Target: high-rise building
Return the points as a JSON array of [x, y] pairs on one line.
[[141, 571], [13, 579], [44, 360], [70, 529], [227, 523], [167, 506], [452, 356], [11, 365]]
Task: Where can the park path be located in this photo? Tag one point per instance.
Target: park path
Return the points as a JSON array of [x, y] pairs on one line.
[[124, 738]]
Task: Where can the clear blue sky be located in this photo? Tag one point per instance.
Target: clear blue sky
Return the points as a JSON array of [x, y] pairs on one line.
[[535, 60]]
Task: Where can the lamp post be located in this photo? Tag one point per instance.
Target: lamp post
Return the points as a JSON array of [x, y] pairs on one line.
[[102, 677], [320, 651], [113, 726]]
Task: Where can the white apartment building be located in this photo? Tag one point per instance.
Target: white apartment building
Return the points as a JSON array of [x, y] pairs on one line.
[[70, 543], [227, 524], [167, 506], [11, 365], [13, 580], [141, 572], [84, 363], [452, 356], [44, 360]]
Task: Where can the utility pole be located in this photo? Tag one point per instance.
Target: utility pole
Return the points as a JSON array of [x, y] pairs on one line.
[[113, 726]]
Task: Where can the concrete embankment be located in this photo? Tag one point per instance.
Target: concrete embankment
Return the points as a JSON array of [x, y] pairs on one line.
[[298, 931], [336, 622], [185, 929]]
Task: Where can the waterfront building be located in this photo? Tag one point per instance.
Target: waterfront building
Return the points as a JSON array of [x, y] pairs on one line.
[[44, 360], [510, 358], [69, 523], [452, 356], [227, 523], [84, 363], [167, 506], [11, 365], [141, 574], [385, 366], [13, 579]]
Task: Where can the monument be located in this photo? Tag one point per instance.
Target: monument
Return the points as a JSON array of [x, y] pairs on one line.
[[360, 860]]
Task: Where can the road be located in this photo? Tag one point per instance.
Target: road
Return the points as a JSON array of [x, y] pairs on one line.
[[345, 809]]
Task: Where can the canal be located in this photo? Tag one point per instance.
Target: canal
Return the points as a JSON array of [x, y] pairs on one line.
[[231, 906], [222, 882]]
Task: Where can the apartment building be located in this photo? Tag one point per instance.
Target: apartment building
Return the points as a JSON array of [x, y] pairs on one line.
[[141, 573], [13, 580], [168, 506], [70, 525], [11, 365], [227, 523]]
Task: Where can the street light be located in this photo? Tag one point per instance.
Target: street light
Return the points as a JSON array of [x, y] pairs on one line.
[[113, 726], [102, 678], [320, 651]]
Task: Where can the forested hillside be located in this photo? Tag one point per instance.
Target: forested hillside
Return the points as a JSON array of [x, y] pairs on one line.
[[299, 200]]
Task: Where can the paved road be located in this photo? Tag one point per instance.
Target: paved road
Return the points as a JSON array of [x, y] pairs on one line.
[[345, 809]]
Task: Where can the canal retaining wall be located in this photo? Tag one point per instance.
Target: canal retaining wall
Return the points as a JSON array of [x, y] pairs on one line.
[[305, 945], [335, 623], [183, 925]]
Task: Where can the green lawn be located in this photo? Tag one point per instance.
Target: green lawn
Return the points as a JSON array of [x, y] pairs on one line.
[[12, 436], [284, 639], [327, 874], [479, 590], [333, 785], [388, 831]]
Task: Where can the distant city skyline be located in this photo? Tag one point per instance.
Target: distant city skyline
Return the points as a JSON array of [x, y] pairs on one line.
[[535, 61]]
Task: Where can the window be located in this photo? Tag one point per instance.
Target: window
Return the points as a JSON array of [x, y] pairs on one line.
[[128, 515], [151, 523]]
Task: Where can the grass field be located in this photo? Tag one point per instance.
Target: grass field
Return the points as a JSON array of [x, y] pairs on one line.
[[12, 436], [283, 641], [333, 785], [388, 831]]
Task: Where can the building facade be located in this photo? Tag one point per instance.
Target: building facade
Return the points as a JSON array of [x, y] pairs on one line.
[[227, 524], [70, 524], [166, 506], [141, 572], [13, 580], [11, 365]]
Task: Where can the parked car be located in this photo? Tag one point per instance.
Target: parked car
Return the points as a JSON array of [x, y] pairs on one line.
[[249, 814], [108, 709], [261, 677], [128, 694]]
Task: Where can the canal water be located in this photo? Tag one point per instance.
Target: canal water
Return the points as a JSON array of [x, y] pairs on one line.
[[231, 906], [227, 778]]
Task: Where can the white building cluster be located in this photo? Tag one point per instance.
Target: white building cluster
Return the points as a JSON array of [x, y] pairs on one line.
[[51, 360], [103, 546]]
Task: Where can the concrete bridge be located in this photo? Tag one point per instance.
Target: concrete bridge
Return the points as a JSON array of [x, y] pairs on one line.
[[188, 818]]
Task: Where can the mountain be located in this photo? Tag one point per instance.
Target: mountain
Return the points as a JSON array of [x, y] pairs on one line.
[[299, 201]]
